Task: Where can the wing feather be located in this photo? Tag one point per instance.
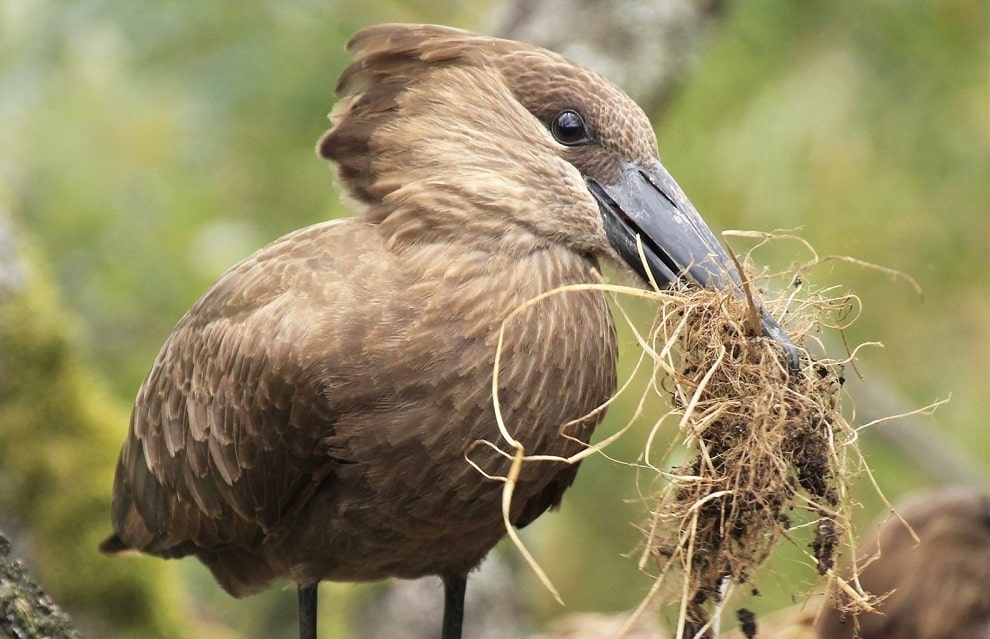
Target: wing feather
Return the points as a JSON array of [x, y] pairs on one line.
[[228, 431]]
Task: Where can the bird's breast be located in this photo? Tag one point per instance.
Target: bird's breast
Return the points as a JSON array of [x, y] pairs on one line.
[[435, 359], [419, 448]]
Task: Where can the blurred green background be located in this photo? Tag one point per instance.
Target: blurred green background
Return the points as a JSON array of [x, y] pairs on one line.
[[147, 146]]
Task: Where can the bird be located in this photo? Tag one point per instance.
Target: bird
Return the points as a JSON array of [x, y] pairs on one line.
[[313, 416]]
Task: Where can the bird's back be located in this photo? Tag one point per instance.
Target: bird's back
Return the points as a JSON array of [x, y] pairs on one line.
[[308, 418]]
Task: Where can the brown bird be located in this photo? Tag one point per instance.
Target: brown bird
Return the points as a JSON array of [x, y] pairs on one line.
[[308, 419]]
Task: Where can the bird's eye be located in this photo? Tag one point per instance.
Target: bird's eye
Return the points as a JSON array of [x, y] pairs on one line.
[[568, 128]]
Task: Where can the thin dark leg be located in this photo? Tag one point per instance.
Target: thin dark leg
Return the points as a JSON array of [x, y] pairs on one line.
[[307, 611], [453, 606]]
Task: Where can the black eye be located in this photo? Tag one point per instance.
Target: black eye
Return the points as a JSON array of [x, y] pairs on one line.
[[568, 128]]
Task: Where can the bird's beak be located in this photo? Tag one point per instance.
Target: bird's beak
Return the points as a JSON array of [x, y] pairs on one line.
[[646, 206]]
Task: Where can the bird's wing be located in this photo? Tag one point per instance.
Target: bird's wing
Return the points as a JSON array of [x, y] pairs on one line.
[[228, 434]]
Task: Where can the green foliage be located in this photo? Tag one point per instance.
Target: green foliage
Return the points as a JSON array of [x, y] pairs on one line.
[[59, 430]]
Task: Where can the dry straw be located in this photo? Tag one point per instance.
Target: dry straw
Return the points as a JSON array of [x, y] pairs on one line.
[[770, 453], [765, 441]]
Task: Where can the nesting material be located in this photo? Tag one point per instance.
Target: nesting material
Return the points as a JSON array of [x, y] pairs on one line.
[[769, 453], [765, 442]]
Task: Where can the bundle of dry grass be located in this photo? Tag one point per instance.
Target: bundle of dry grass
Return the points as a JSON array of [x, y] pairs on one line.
[[771, 455], [768, 447]]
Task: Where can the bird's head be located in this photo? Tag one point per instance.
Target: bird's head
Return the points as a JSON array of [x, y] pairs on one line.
[[449, 136]]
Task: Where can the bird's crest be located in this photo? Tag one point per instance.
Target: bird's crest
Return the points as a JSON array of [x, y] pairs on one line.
[[386, 60]]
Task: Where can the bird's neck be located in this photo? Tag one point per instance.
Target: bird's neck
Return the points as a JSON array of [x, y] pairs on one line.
[[452, 235], [495, 274]]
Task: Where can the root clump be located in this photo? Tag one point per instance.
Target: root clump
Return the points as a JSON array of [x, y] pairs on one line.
[[768, 445]]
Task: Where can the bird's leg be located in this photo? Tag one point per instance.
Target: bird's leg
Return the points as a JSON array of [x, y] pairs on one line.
[[453, 606], [307, 611]]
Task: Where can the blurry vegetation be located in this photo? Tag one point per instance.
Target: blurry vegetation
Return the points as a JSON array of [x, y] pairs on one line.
[[148, 146], [58, 433]]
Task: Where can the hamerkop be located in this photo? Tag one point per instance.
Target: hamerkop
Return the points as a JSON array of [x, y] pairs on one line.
[[308, 419]]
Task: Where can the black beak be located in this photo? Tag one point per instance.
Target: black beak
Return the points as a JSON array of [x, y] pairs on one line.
[[678, 247]]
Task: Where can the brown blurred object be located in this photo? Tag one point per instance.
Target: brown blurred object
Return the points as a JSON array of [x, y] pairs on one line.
[[940, 587]]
